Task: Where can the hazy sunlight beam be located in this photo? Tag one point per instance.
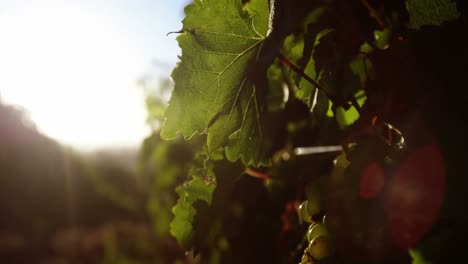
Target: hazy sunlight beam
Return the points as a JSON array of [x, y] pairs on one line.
[[74, 71]]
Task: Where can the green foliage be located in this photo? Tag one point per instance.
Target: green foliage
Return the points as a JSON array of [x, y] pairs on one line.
[[276, 96], [310, 73], [417, 257], [307, 90], [431, 12], [347, 117], [216, 52], [184, 212], [382, 38], [199, 188]]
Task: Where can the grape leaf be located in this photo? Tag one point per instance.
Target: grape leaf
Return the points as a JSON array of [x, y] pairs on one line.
[[307, 91], [162, 165], [199, 188], [334, 70], [212, 92], [431, 12], [347, 117], [184, 212]]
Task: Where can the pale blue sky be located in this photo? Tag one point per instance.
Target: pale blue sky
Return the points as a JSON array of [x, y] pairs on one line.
[[73, 64]]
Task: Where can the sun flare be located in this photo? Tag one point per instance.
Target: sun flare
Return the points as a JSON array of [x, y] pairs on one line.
[[74, 71]]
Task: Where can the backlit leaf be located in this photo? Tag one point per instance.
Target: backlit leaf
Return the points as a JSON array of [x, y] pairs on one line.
[[212, 92]]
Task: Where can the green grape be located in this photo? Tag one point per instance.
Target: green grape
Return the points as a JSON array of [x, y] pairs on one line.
[[304, 212], [315, 193], [316, 230], [313, 207], [305, 260], [320, 247], [341, 161]]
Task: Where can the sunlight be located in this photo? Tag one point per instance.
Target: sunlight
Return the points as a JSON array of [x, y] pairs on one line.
[[74, 71]]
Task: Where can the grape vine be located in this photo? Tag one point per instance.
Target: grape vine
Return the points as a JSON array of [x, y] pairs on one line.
[[359, 83]]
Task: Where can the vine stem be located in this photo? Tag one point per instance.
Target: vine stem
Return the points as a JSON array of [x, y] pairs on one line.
[[175, 32], [373, 13], [296, 69], [256, 174]]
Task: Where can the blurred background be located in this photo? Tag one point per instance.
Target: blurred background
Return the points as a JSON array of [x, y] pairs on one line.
[[83, 85]]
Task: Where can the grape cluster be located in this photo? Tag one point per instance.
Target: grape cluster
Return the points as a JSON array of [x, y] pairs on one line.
[[352, 192], [383, 197], [318, 237]]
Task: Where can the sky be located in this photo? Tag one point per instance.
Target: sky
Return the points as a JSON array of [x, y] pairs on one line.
[[73, 65]]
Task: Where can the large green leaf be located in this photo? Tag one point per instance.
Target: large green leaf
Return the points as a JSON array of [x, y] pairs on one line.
[[212, 93], [431, 12]]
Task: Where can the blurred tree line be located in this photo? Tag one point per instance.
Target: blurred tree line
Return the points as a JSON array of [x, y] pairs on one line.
[[61, 206]]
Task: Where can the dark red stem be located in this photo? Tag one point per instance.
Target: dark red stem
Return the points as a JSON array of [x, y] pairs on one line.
[[296, 69]]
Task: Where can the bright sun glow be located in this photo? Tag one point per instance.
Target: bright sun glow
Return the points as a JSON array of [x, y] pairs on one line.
[[74, 71]]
